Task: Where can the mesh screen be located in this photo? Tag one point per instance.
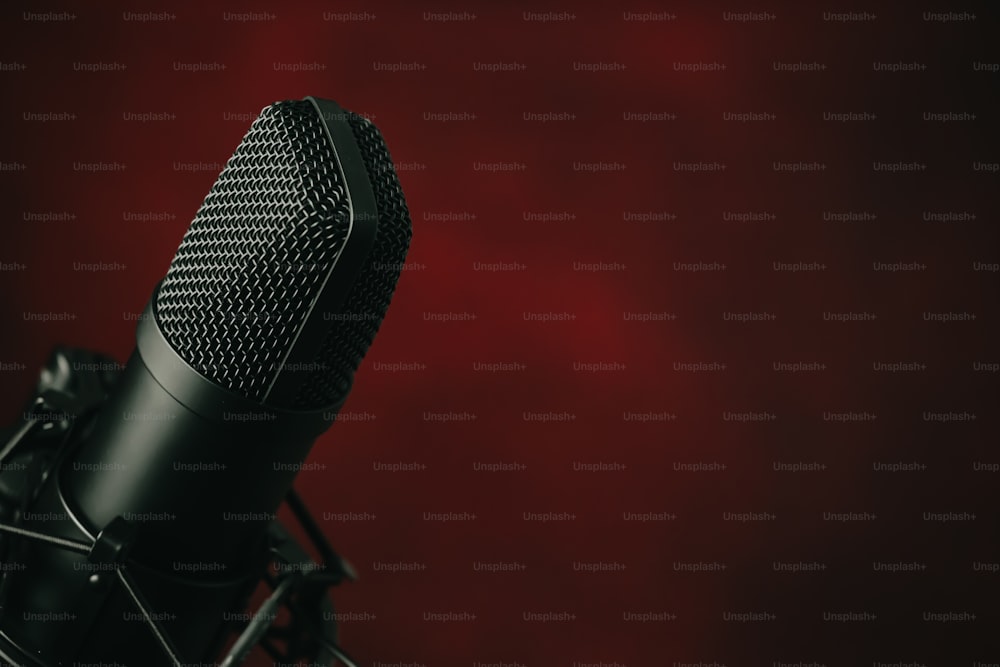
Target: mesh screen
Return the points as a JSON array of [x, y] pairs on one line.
[[256, 254], [357, 324]]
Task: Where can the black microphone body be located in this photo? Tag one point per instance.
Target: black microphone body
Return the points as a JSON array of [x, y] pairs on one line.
[[245, 353]]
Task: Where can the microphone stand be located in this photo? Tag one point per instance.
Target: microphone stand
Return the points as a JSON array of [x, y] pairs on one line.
[[33, 450]]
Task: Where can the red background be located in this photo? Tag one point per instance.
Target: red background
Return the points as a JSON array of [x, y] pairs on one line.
[[439, 177]]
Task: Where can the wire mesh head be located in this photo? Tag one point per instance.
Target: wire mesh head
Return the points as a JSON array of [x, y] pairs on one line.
[[257, 253], [356, 325]]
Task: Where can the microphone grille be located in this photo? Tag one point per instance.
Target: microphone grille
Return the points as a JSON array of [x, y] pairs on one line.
[[259, 249], [347, 342]]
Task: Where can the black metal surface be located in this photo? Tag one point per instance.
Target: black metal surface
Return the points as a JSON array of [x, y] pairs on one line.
[[209, 485], [58, 554], [357, 323], [257, 252], [261, 249]]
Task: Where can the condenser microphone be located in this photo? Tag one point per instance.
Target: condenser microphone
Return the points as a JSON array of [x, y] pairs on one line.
[[244, 354]]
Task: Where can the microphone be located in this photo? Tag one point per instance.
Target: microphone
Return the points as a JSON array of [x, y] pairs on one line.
[[149, 524]]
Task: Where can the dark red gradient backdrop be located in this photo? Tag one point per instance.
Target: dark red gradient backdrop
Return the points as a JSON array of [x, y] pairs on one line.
[[768, 267]]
